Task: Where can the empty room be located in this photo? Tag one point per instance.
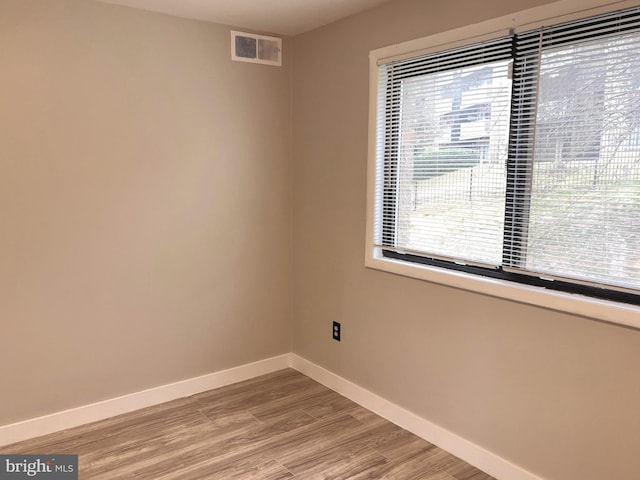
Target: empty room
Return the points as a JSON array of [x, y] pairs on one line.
[[320, 239]]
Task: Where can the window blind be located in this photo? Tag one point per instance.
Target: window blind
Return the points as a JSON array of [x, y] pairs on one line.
[[445, 130], [518, 157], [574, 197]]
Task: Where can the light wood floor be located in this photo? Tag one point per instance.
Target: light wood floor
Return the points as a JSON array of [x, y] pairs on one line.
[[278, 426]]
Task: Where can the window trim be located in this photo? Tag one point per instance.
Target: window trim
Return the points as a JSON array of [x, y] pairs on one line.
[[590, 307]]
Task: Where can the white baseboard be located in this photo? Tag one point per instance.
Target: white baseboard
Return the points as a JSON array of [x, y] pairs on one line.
[[471, 453], [489, 462], [74, 417]]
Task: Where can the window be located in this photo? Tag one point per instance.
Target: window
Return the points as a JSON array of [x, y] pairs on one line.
[[515, 158]]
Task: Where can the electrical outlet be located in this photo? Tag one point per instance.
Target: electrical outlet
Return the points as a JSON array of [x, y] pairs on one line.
[[336, 331]]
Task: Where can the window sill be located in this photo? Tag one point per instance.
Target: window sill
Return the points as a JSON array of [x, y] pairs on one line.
[[602, 310]]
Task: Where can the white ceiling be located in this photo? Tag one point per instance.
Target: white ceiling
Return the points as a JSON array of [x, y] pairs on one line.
[[284, 17]]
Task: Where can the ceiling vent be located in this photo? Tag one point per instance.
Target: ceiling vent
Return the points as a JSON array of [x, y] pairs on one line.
[[248, 47]]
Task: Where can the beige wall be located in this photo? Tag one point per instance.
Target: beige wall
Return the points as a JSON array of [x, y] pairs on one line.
[[145, 214], [556, 394]]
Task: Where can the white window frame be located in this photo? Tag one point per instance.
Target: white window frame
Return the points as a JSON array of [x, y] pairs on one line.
[[565, 10]]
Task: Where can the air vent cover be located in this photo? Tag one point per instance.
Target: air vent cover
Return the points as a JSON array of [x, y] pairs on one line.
[[248, 47]]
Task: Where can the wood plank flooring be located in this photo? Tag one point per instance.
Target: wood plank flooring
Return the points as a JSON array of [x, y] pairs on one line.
[[278, 426]]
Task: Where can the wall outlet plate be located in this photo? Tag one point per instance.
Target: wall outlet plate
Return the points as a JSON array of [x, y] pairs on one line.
[[336, 331]]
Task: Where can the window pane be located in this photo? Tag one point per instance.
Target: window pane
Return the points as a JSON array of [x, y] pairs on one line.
[[585, 199], [452, 146]]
